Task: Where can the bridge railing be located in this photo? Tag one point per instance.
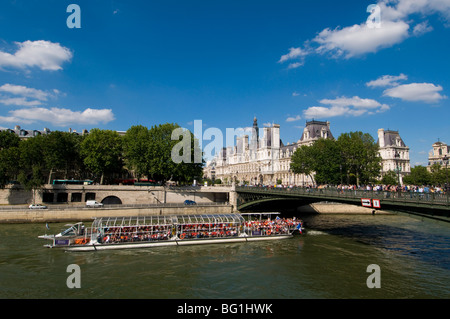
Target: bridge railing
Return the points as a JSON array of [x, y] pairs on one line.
[[407, 197], [112, 206]]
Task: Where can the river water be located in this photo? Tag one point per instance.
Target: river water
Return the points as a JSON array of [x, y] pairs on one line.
[[330, 260]]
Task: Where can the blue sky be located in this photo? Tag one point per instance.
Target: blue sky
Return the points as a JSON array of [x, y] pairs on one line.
[[225, 62]]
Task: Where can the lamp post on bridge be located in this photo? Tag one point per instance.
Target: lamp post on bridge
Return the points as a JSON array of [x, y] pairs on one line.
[[445, 159], [397, 157]]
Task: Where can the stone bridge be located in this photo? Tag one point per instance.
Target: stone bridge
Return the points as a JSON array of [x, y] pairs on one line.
[[429, 204]]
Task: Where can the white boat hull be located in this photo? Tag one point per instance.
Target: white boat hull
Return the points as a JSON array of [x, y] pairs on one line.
[[175, 242]]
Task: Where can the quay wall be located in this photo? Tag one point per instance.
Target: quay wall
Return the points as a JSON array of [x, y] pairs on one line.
[[121, 194], [44, 215], [338, 208]]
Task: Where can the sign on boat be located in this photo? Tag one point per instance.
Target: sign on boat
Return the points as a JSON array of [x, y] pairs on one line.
[[154, 231]]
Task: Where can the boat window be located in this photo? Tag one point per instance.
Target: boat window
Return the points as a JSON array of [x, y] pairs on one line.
[[69, 231]]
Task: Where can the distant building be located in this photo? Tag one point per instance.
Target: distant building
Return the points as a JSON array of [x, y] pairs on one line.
[[436, 156], [24, 134], [264, 159], [394, 153]]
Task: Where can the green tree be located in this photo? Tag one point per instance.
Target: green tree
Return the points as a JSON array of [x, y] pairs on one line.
[[8, 139], [136, 147], [419, 176], [438, 174], [327, 161], [163, 166], [101, 151], [359, 153], [9, 157], [390, 178], [303, 162], [62, 153], [32, 169]]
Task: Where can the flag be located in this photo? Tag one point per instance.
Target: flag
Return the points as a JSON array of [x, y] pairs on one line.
[[299, 227]]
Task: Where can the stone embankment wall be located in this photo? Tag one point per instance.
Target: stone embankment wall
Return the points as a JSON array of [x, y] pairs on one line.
[[49, 215], [338, 208], [126, 194]]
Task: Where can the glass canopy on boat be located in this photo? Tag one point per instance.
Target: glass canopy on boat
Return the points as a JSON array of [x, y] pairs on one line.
[[160, 220], [209, 219]]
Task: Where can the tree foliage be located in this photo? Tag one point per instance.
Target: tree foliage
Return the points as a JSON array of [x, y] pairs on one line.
[[136, 143], [102, 153], [352, 158], [303, 161], [360, 156], [163, 166], [9, 157]]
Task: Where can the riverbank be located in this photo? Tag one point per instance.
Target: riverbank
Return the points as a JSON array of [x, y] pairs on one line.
[[338, 208]]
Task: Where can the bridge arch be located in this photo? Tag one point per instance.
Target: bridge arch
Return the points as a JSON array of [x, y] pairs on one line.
[[112, 200]]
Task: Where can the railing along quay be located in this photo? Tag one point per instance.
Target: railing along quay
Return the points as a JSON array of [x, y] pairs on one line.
[[113, 206], [330, 193]]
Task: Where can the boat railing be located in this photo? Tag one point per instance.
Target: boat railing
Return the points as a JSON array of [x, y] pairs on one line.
[[190, 231], [268, 228], [111, 230], [122, 234]]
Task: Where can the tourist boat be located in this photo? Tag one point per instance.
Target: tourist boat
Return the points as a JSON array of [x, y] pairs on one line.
[[157, 231]]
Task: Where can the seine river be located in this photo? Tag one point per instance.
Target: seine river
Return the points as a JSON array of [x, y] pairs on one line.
[[330, 260]]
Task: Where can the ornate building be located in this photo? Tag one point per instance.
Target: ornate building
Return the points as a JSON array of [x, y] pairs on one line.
[[394, 153], [264, 159], [24, 134], [439, 155]]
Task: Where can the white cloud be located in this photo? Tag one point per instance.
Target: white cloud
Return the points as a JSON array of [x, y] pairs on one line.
[[344, 106], [20, 101], [25, 91], [293, 119], [417, 92], [422, 28], [404, 8], [360, 39], [325, 112], [293, 54], [295, 65], [25, 96], [11, 119], [355, 101], [62, 117], [387, 80], [42, 54]]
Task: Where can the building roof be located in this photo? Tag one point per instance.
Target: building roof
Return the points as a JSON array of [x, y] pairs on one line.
[[391, 138], [22, 133], [314, 128]]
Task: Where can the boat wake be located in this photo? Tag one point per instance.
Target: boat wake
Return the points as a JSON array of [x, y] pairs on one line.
[[315, 233]]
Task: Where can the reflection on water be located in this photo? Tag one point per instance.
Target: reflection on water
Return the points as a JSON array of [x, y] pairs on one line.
[[329, 261]]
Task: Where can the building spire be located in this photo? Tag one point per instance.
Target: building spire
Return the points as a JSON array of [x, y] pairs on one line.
[[255, 128]]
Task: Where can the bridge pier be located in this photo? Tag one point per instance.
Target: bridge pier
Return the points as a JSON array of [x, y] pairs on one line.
[[233, 197]]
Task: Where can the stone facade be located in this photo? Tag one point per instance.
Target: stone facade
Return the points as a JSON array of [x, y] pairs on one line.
[[394, 153], [264, 159], [439, 155]]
